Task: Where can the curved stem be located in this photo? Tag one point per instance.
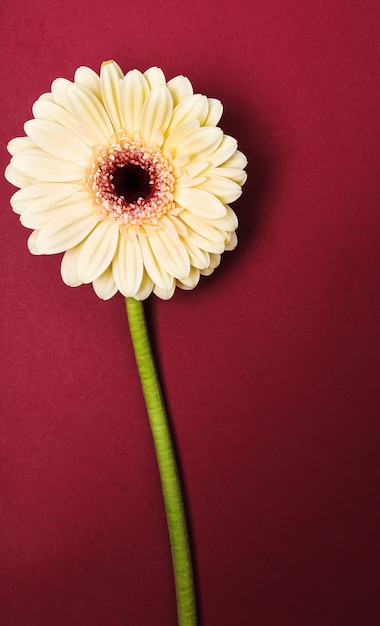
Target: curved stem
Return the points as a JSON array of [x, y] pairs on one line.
[[166, 463]]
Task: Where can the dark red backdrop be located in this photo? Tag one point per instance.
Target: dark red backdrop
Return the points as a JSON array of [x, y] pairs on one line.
[[270, 367]]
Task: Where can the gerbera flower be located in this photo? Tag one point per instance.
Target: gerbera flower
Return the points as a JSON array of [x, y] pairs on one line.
[[131, 178]]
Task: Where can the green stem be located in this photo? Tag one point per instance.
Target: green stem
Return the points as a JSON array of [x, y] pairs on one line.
[[166, 463]]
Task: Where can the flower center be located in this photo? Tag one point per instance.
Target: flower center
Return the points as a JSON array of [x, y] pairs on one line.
[[131, 183]]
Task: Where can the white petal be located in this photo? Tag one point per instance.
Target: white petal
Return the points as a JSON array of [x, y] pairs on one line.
[[81, 197], [98, 250], [59, 92], [190, 281], [163, 293], [88, 78], [214, 263], [58, 141], [198, 258], [156, 113], [173, 226], [32, 243], [67, 230], [215, 260], [238, 159], [91, 114], [208, 271], [203, 243], [156, 272], [183, 182], [104, 286], [192, 108], [69, 267], [179, 134], [37, 164], [179, 225], [170, 253], [145, 288], [155, 76], [200, 202], [46, 193], [203, 227], [42, 210], [17, 178], [110, 78], [233, 173], [157, 138], [168, 225], [194, 168], [127, 266], [232, 243], [20, 143], [215, 111], [133, 91], [228, 222], [180, 87], [47, 96], [225, 150], [200, 143], [182, 160], [53, 112], [226, 190]]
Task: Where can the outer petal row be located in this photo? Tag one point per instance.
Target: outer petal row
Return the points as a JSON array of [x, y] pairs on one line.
[[66, 230], [40, 165], [136, 266]]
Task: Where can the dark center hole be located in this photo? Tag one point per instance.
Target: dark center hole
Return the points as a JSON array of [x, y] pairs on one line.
[[131, 182]]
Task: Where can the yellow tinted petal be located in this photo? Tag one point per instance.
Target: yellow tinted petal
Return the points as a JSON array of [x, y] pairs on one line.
[[58, 141], [127, 265], [156, 272], [192, 108], [224, 151], [20, 143], [203, 227], [155, 77], [200, 202], [17, 178], [40, 193], [88, 78], [170, 253], [133, 92], [59, 92], [223, 188], [180, 87], [98, 250], [199, 144], [215, 111], [156, 113], [69, 267], [67, 230], [145, 289], [105, 286], [40, 165], [91, 114], [110, 79]]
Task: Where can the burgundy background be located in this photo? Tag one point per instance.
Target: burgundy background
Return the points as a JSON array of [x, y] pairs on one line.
[[270, 367]]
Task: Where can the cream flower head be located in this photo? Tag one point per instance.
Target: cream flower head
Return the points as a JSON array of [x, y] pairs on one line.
[[131, 178]]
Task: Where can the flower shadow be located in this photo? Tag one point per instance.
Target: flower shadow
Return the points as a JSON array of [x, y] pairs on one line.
[[251, 212], [250, 208]]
